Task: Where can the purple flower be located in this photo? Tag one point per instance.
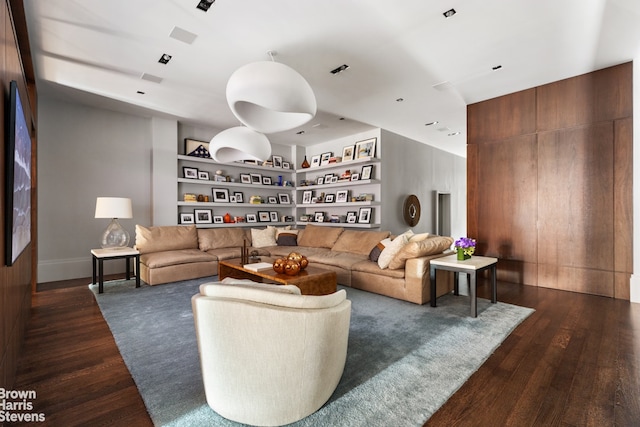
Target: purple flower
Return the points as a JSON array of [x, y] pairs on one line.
[[467, 245]]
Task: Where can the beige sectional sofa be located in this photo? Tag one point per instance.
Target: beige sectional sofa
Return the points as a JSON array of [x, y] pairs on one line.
[[172, 253]]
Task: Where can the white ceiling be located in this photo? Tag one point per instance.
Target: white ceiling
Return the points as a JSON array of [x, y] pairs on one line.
[[95, 52]]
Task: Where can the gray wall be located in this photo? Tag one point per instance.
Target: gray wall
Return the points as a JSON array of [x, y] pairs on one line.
[[410, 167]]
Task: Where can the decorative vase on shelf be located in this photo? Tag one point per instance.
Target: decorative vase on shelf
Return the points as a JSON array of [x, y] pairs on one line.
[[462, 256], [305, 163]]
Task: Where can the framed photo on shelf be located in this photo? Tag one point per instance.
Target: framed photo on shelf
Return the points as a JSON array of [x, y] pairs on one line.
[[186, 218], [256, 178], [315, 161], [347, 153], [286, 165], [252, 218], [191, 173], [342, 196], [272, 200], [366, 172], [352, 217], [284, 199], [239, 197], [273, 216], [220, 195], [355, 176], [325, 157], [320, 180], [306, 196], [318, 217], [263, 216], [364, 216], [203, 175], [217, 219], [203, 216], [366, 148], [329, 198], [232, 199], [266, 180], [327, 178], [245, 178], [277, 161], [196, 148], [334, 179]]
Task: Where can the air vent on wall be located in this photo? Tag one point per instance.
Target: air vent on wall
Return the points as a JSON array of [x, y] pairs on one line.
[[151, 78], [182, 35]]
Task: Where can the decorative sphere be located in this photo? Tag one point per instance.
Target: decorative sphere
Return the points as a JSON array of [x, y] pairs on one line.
[[294, 256], [278, 266], [304, 262], [291, 267]]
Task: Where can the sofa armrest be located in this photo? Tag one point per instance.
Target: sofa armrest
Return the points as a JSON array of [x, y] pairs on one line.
[[417, 277]]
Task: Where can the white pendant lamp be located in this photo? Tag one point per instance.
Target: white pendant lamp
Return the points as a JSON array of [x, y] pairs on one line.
[[239, 143], [270, 97]]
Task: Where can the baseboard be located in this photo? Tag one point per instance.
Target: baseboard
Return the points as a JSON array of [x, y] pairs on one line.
[[634, 284], [74, 268]]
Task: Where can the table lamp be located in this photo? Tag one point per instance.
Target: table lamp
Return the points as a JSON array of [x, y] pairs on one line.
[[114, 236]]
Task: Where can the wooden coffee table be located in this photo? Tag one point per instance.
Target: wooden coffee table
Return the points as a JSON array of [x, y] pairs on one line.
[[311, 281]]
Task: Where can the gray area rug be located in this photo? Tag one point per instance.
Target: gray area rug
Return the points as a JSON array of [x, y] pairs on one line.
[[403, 361]]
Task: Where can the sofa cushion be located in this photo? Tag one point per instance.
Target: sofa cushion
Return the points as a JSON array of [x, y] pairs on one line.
[[392, 249], [430, 246], [337, 259], [358, 241], [182, 256], [166, 238], [319, 236], [373, 268], [374, 255], [215, 238], [287, 237]]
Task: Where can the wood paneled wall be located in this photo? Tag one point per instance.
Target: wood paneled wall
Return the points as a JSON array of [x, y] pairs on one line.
[[18, 280], [550, 183]]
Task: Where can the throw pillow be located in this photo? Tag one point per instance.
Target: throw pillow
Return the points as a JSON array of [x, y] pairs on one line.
[[318, 236], [263, 238], [359, 241], [215, 238], [391, 250], [418, 237], [374, 255], [431, 246], [287, 237], [166, 238]]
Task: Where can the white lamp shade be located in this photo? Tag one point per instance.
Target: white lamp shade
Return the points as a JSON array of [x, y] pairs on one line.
[[113, 207], [270, 97], [239, 143]]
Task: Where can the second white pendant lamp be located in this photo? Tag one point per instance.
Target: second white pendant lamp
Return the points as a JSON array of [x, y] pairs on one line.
[[270, 97], [239, 143]]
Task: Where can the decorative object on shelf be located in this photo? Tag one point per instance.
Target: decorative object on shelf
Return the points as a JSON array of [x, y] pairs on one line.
[[364, 215], [347, 153], [239, 143], [186, 218], [204, 175], [227, 218], [352, 217], [366, 172], [366, 148], [411, 210], [305, 163], [190, 173], [239, 197], [283, 198], [252, 218], [270, 97], [189, 197], [255, 200], [220, 195], [114, 236], [465, 247], [315, 160], [276, 161], [196, 148], [325, 157], [218, 219], [342, 196], [203, 216]]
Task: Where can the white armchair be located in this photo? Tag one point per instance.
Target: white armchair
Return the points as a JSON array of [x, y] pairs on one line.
[[269, 357]]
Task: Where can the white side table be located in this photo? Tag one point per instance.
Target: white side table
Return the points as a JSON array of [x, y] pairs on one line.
[[99, 255], [470, 267]]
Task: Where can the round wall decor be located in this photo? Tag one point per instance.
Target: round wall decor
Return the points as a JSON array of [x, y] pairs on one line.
[[411, 210]]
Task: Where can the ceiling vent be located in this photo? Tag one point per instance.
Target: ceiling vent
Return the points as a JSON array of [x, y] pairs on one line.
[[340, 69], [182, 35], [151, 78], [205, 4]]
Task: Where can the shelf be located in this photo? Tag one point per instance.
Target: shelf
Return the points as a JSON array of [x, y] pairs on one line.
[[337, 204], [339, 184], [240, 165], [341, 165], [338, 224], [233, 184], [242, 224], [235, 205]]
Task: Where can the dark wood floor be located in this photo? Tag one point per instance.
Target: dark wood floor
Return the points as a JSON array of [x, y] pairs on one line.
[[574, 362]]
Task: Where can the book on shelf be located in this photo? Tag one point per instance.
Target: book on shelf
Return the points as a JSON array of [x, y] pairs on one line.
[[258, 266]]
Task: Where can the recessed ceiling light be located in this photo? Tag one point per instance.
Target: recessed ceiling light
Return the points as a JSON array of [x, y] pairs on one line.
[[497, 67], [449, 13], [140, 92], [341, 118], [205, 4], [301, 132], [339, 69], [454, 134], [432, 123], [399, 99], [165, 58]]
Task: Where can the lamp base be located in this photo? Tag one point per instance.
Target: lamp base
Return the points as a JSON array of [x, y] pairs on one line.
[[114, 236]]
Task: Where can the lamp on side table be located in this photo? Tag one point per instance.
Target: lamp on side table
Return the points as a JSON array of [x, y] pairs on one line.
[[114, 236]]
